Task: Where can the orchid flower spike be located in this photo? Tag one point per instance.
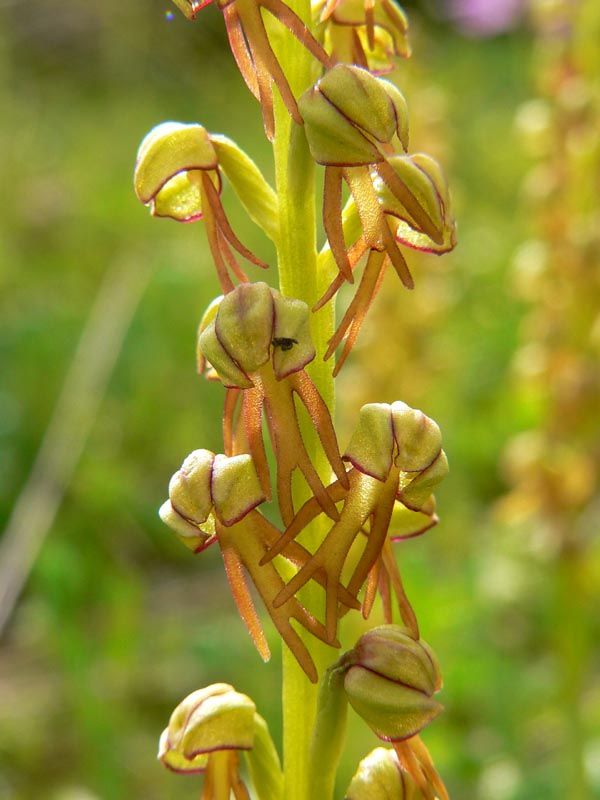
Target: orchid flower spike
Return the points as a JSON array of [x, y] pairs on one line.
[[367, 33], [178, 175], [214, 498], [425, 181], [253, 53], [396, 458], [259, 342]]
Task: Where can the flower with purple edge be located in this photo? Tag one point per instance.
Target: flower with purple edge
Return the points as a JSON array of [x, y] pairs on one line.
[[396, 458], [258, 342], [177, 175], [214, 498]]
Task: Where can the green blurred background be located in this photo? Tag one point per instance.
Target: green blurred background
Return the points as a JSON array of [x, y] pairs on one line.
[[117, 622]]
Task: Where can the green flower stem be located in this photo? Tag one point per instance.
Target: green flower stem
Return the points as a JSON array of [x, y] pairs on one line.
[[329, 731], [263, 763], [298, 277]]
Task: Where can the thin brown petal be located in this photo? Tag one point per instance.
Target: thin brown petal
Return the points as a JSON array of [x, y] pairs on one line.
[[309, 511], [223, 223], [428, 767], [230, 259], [265, 92], [321, 419], [328, 9], [213, 242], [296, 26], [373, 581], [358, 308], [246, 540], [229, 437], [239, 48], [288, 444], [322, 562], [252, 405], [284, 544], [385, 592], [332, 219], [330, 557], [409, 762], [265, 60], [291, 452], [237, 785], [407, 613], [285, 468], [355, 253], [355, 329], [243, 600], [397, 259], [360, 57]]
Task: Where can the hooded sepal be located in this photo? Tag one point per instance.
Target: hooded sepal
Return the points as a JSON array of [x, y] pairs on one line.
[[177, 175]]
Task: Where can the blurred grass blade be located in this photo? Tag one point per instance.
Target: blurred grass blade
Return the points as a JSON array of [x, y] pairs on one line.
[[66, 435]]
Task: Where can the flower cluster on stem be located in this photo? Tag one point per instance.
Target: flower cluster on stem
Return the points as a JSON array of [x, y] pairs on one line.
[[316, 75]]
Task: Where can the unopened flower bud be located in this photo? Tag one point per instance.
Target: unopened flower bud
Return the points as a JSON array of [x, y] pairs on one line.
[[379, 777], [348, 113], [374, 105], [391, 681], [208, 720]]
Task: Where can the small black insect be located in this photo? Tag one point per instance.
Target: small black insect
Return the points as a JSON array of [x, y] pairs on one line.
[[285, 344]]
